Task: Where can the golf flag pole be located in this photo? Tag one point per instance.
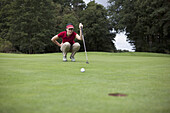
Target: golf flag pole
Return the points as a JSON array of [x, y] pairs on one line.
[[84, 46]]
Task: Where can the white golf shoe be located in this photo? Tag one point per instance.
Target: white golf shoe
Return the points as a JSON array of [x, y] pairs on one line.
[[72, 59], [64, 59]]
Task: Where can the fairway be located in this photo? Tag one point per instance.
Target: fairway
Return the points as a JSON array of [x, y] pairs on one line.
[[42, 83]]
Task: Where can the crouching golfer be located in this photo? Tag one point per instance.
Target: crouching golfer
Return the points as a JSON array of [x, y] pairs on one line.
[[68, 43]]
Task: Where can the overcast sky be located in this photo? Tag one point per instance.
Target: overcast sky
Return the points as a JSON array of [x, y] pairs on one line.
[[103, 2], [120, 39]]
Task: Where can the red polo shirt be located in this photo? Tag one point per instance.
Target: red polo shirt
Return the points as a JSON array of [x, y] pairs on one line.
[[69, 39]]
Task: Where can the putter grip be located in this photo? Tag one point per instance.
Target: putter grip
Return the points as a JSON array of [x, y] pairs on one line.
[[82, 30]]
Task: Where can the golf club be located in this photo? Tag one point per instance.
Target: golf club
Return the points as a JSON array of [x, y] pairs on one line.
[[84, 46]]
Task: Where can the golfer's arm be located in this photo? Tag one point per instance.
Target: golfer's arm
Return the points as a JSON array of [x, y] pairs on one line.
[[79, 37], [54, 40]]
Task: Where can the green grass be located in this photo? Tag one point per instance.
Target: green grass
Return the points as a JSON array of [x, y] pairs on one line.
[[42, 83]]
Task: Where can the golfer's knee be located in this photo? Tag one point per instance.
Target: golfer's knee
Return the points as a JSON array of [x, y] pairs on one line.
[[76, 46], [67, 44]]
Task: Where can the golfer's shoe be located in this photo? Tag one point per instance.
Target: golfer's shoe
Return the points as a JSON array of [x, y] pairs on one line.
[[72, 59], [64, 59]]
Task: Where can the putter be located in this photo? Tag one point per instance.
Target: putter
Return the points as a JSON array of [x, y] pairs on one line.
[[84, 46]]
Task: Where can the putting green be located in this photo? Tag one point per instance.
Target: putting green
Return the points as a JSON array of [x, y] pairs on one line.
[[42, 83]]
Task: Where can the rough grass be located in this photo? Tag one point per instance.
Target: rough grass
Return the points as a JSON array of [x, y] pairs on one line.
[[42, 83]]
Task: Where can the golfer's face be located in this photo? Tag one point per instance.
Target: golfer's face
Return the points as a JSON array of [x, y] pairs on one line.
[[70, 30]]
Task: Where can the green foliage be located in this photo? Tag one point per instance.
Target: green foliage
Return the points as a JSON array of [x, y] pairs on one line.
[[5, 17], [67, 11], [6, 46], [76, 5], [29, 25], [145, 22], [96, 28]]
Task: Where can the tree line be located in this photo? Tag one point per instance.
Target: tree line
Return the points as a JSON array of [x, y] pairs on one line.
[[146, 23], [28, 25]]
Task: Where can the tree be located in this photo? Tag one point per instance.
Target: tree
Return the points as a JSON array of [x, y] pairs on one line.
[[146, 23], [6, 46], [32, 25], [29, 25], [5, 17], [76, 5], [97, 28]]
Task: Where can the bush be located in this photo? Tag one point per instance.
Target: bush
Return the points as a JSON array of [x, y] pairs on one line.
[[6, 46]]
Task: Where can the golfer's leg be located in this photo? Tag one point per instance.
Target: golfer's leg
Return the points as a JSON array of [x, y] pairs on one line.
[[65, 48], [75, 48]]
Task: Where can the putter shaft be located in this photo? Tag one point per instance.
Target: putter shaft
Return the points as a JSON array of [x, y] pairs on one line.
[[84, 46]]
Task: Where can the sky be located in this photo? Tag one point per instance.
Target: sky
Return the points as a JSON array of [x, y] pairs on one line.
[[120, 39], [103, 2], [122, 43]]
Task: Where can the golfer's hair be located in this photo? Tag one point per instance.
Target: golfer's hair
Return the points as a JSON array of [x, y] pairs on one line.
[[69, 24]]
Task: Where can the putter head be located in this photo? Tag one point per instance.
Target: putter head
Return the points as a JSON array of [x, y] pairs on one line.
[[87, 62]]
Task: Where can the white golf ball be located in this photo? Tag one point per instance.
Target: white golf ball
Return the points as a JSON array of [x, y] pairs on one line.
[[82, 70]]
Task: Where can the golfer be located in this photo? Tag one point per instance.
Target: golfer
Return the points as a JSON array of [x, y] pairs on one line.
[[68, 43]]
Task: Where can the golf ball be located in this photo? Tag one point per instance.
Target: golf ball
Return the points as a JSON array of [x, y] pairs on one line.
[[82, 70]]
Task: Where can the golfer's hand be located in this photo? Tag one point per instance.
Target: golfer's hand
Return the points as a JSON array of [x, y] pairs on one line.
[[61, 44], [80, 25]]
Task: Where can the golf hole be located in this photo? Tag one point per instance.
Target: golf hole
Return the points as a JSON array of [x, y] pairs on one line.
[[117, 94]]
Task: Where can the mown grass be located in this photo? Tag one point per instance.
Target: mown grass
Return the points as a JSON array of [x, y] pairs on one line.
[[42, 83]]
